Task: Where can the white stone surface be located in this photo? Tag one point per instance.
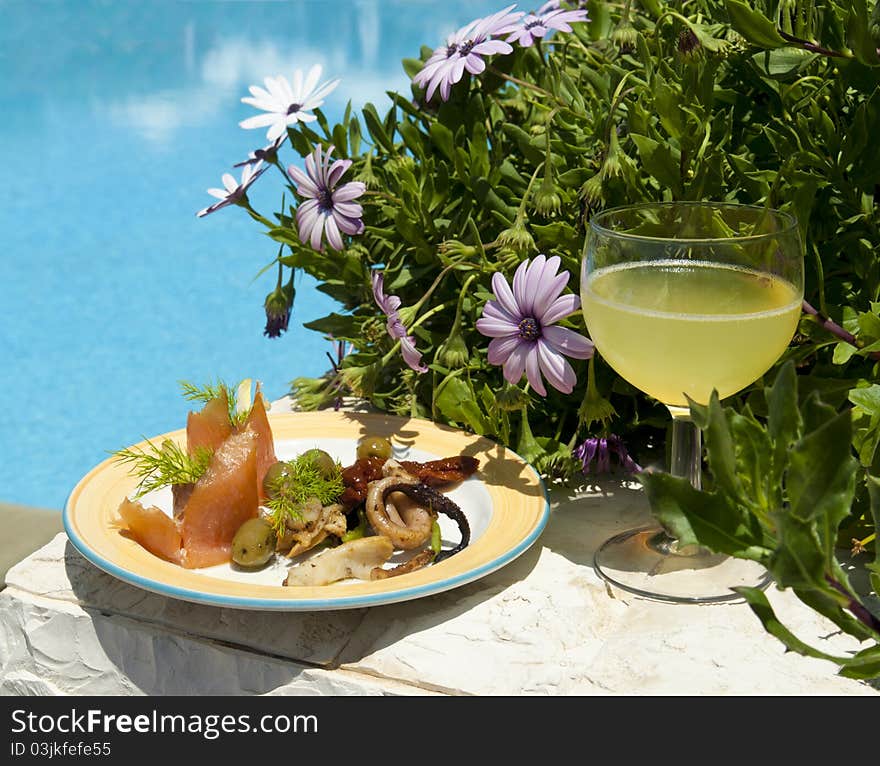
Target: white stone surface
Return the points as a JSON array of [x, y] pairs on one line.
[[545, 624], [59, 572]]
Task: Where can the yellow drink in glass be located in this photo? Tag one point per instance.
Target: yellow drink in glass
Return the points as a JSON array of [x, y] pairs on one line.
[[676, 327]]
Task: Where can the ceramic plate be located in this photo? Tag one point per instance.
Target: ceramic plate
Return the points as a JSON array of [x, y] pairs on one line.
[[505, 503]]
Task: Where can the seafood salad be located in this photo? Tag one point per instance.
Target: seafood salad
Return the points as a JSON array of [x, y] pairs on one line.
[[235, 502]]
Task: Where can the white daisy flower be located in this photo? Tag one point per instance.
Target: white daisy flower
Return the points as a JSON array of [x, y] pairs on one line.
[[234, 191], [285, 105]]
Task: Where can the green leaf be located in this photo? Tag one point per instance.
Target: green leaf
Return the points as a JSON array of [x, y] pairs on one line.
[[300, 142], [377, 129], [669, 104], [843, 352], [799, 560], [558, 234], [761, 480], [479, 152], [411, 231], [821, 474], [340, 140], [412, 66], [815, 412], [338, 325], [832, 605], [753, 25], [858, 34], [782, 63], [694, 517], [783, 417], [413, 139], [488, 198], [456, 400], [720, 450], [658, 161], [757, 601], [524, 143], [874, 493], [405, 104], [284, 234], [869, 325], [867, 398], [865, 665], [354, 136]]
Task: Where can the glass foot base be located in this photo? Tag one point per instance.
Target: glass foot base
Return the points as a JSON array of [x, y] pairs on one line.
[[635, 562]]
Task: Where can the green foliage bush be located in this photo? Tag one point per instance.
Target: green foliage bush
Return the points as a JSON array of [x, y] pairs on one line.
[[648, 101], [775, 102]]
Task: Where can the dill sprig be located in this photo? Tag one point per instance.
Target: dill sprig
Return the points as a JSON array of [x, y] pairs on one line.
[[164, 466], [287, 490], [209, 391], [205, 393]]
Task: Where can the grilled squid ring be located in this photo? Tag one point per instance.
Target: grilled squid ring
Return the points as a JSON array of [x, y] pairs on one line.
[[407, 525]]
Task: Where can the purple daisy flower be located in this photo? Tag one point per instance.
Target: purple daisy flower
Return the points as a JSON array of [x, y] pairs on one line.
[[285, 105], [328, 209], [389, 305], [234, 192], [521, 324], [465, 49], [534, 26], [596, 452]]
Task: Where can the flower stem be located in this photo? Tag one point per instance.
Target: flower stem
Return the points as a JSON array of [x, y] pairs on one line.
[[835, 329], [256, 216], [812, 47], [858, 610], [427, 315], [522, 83]]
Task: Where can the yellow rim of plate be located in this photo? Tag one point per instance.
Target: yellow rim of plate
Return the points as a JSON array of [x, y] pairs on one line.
[[520, 510]]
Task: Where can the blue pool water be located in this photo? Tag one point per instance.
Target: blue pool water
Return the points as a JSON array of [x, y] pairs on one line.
[[115, 117]]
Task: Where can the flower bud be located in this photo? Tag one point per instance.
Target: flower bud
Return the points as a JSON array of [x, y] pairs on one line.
[[517, 238], [278, 305], [508, 259], [453, 354], [625, 37], [511, 398], [688, 43], [361, 381], [592, 191], [455, 249], [407, 315], [546, 201]]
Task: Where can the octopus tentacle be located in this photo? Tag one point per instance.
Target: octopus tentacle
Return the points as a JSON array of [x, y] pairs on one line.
[[438, 502]]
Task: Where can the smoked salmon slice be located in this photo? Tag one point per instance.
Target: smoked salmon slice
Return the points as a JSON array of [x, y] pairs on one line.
[[258, 422], [153, 529], [221, 501], [210, 427]]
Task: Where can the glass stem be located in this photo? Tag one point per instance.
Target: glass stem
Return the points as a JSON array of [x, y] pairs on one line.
[[686, 457]]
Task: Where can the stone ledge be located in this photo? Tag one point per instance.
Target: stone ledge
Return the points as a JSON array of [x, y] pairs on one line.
[[545, 624]]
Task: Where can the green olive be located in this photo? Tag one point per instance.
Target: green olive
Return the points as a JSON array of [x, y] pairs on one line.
[[254, 543], [323, 462], [374, 446], [274, 478]]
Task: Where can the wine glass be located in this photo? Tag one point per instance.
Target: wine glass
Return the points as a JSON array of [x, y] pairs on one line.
[[681, 298]]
